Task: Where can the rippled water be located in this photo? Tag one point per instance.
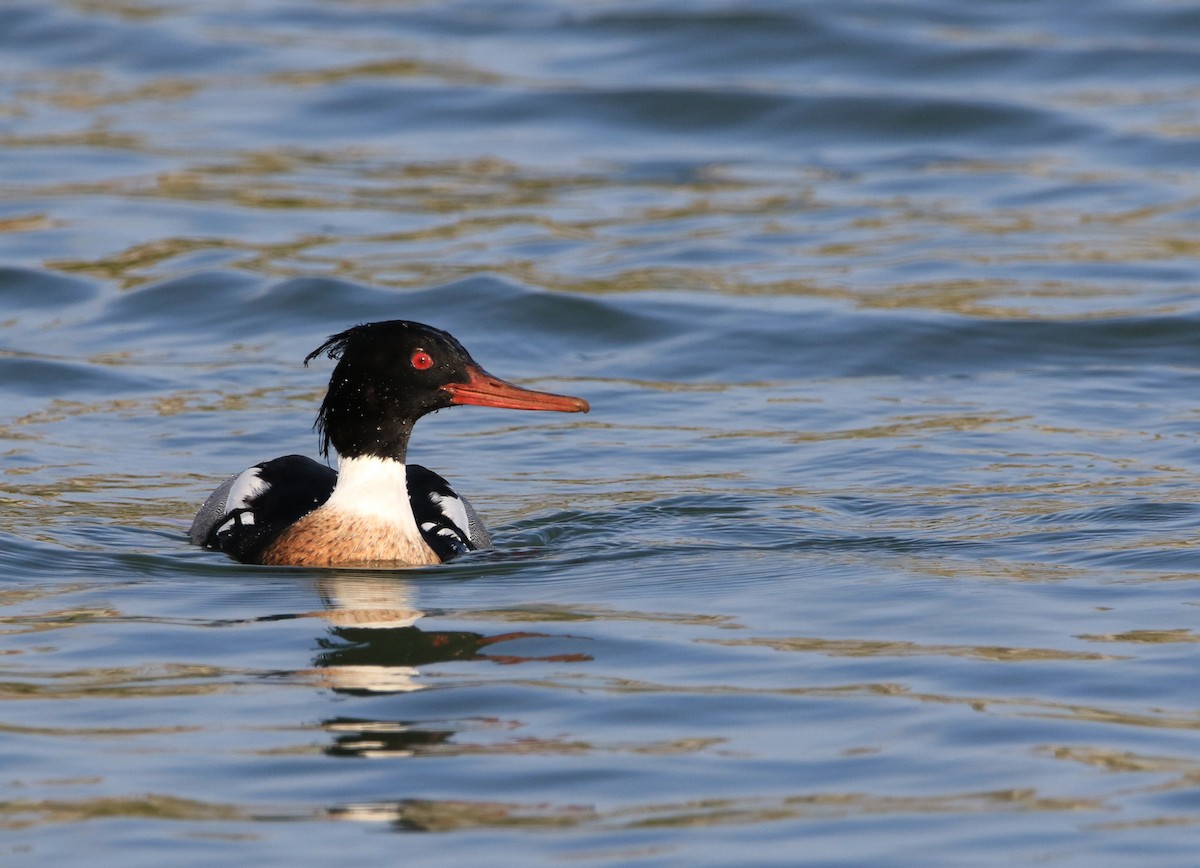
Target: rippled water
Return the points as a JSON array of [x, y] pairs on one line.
[[877, 546]]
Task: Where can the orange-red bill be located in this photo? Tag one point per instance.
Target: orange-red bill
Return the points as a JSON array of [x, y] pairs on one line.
[[484, 390]]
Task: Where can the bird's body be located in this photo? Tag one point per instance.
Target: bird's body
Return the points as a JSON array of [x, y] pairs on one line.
[[376, 510]]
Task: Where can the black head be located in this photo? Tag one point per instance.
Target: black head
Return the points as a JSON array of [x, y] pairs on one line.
[[389, 374]]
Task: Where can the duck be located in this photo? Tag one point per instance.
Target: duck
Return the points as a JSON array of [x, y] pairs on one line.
[[375, 509]]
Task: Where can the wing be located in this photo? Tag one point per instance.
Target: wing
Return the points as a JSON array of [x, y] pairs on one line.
[[448, 523], [249, 510]]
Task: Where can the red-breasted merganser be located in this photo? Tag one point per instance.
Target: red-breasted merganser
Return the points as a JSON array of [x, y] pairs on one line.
[[375, 510]]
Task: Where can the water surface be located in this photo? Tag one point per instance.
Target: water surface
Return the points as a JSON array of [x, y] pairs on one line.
[[877, 546]]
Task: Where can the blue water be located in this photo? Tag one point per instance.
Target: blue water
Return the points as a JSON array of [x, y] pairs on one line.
[[877, 546]]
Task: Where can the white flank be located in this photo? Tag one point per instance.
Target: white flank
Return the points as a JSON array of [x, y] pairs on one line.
[[249, 484], [242, 519], [453, 509], [376, 489]]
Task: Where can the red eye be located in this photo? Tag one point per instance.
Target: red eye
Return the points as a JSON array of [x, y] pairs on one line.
[[421, 360]]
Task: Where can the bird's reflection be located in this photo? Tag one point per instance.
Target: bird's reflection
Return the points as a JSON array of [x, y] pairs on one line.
[[382, 738], [373, 647]]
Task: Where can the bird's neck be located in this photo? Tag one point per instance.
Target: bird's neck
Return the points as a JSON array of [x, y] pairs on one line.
[[372, 485], [365, 421]]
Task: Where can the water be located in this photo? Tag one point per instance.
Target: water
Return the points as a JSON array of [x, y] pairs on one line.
[[877, 546]]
